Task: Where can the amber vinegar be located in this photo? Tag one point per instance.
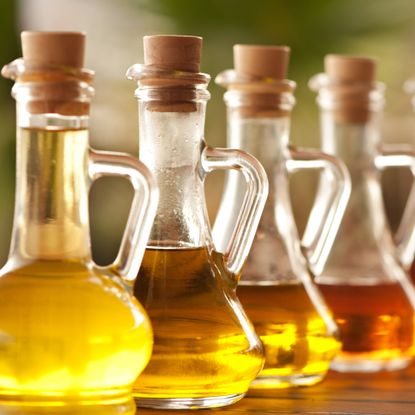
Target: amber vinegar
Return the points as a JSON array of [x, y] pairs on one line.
[[197, 335], [298, 348], [376, 323], [412, 272]]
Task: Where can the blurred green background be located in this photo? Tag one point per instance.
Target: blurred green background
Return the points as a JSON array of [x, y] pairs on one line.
[[378, 28]]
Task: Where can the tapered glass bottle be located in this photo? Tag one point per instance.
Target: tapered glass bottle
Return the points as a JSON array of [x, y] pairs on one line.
[[276, 287], [363, 280], [74, 339], [406, 255], [205, 350]]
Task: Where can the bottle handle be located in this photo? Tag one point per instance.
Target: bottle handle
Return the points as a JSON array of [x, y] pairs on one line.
[[142, 211], [329, 206], [402, 156], [252, 206]]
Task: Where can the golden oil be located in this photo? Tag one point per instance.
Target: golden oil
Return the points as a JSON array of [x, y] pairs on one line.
[[73, 338], [68, 334], [203, 344], [298, 347]]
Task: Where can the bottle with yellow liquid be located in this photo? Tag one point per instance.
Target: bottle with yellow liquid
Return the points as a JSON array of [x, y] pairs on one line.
[[206, 352], [363, 280], [276, 288], [73, 338]]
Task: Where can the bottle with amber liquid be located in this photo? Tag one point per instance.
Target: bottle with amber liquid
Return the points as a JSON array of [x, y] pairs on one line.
[[206, 351], [276, 287], [73, 337], [404, 240], [363, 281]]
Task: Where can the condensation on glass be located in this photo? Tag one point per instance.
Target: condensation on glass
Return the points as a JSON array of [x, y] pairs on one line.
[[206, 352]]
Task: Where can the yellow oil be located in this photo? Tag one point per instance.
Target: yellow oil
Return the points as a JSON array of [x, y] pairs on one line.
[[69, 336], [203, 344], [298, 347]]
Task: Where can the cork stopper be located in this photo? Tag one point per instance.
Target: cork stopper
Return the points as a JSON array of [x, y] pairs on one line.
[[350, 68], [55, 48], [175, 54], [261, 61], [260, 72], [179, 53], [55, 90], [352, 78]]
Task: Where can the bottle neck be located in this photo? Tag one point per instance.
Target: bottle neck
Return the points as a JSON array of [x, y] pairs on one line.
[[259, 124], [356, 143], [350, 130], [350, 120], [171, 141], [51, 202]]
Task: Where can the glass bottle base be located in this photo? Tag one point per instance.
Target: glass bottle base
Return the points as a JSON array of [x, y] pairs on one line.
[[29, 405], [364, 364], [281, 382], [188, 403]]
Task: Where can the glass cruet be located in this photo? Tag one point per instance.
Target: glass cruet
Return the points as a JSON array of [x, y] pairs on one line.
[[276, 288], [363, 281], [73, 335], [404, 239], [205, 351]]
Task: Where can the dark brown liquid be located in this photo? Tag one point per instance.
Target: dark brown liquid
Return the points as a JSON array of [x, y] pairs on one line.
[[377, 320], [412, 272]]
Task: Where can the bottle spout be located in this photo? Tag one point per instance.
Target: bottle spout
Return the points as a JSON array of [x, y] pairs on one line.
[[348, 88], [61, 53], [169, 60], [258, 69], [50, 77], [11, 70]]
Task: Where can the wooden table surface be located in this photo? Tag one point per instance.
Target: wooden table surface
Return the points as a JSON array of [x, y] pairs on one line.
[[339, 394]]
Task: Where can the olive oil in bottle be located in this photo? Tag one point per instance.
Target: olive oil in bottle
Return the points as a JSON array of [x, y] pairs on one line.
[[276, 285], [206, 351], [293, 333], [197, 336], [73, 338]]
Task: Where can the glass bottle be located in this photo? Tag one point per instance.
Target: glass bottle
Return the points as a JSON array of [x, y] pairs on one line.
[[205, 351], [363, 281], [276, 287], [73, 338], [405, 240]]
